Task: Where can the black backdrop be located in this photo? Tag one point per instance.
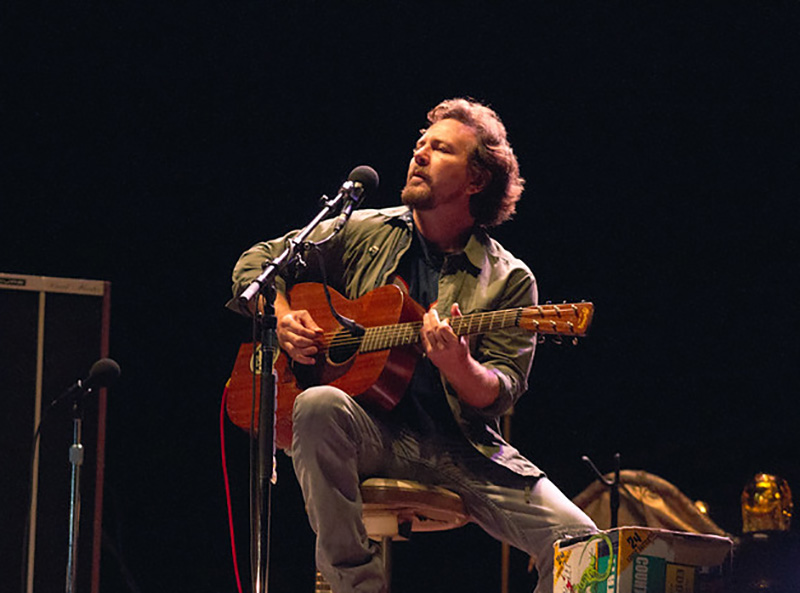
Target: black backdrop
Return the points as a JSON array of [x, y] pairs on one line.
[[149, 143]]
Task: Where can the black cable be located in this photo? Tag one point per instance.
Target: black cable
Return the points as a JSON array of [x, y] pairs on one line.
[[350, 325]]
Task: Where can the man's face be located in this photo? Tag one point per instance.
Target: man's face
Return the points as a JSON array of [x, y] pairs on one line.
[[439, 171]]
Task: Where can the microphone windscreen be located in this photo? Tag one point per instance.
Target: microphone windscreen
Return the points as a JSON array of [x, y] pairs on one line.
[[102, 374], [366, 176]]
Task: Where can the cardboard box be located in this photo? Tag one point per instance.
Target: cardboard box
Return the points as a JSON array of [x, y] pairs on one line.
[[641, 560]]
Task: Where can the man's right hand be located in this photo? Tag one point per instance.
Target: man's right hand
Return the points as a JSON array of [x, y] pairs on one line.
[[298, 334]]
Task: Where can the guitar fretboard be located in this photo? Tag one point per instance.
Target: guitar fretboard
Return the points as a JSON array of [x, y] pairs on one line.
[[405, 334]]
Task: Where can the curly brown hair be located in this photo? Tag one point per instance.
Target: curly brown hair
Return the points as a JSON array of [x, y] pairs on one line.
[[493, 157]]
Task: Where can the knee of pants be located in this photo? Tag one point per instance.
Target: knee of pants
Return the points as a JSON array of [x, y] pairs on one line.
[[318, 408]]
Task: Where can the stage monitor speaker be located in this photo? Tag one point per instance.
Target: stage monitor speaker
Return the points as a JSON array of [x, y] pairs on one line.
[[51, 332]]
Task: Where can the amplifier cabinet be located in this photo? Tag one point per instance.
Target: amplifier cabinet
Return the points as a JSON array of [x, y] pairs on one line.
[[51, 332]]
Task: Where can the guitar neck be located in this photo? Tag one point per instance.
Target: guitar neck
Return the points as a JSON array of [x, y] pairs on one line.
[[406, 334], [571, 319]]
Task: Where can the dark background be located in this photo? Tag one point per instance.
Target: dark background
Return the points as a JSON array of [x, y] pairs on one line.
[[149, 143]]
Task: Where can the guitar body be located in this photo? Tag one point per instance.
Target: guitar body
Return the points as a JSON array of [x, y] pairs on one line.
[[378, 378]]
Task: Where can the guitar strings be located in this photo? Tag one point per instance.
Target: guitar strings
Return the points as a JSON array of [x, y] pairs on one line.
[[407, 333], [388, 336]]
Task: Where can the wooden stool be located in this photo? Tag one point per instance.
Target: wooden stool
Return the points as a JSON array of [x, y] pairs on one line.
[[393, 509]]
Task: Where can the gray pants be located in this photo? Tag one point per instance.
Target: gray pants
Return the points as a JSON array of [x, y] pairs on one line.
[[336, 443]]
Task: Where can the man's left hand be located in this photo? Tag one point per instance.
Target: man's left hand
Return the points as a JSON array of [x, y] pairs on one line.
[[445, 349]]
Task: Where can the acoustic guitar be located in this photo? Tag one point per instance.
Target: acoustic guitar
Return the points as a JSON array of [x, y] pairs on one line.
[[375, 368]]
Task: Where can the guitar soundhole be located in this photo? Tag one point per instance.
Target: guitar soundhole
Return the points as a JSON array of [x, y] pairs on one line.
[[343, 346]]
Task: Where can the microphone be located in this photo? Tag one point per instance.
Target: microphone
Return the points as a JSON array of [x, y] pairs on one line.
[[362, 180], [102, 374]]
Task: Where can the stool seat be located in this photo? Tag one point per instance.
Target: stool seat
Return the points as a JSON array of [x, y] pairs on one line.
[[395, 508], [392, 509]]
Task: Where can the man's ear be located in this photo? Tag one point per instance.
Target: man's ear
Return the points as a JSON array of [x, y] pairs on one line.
[[480, 180]]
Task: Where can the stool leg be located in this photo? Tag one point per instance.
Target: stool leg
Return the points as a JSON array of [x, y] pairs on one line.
[[386, 560]]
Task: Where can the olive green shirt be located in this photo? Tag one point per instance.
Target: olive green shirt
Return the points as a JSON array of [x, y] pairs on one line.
[[485, 277]]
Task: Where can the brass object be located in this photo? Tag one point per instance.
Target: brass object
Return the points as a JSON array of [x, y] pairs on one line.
[[766, 504]]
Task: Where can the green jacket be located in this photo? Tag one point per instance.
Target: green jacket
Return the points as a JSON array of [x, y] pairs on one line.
[[486, 277]]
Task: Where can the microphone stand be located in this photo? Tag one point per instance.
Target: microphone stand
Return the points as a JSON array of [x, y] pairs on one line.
[[76, 460], [263, 472], [612, 485]]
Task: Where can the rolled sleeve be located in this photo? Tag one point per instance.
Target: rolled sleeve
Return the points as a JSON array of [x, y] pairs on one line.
[[508, 353]]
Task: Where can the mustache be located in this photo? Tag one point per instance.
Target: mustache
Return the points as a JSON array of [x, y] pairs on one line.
[[419, 173]]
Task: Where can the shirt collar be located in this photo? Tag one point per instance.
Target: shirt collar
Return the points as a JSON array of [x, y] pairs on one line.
[[475, 251]]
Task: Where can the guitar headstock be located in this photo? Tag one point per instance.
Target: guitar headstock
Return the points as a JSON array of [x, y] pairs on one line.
[[565, 319]]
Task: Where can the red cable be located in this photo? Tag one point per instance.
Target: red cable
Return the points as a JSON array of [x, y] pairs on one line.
[[228, 486]]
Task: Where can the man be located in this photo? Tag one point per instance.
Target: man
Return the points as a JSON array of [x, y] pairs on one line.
[[463, 178]]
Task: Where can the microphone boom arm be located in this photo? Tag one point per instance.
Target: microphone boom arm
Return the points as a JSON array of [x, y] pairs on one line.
[[361, 180], [287, 256]]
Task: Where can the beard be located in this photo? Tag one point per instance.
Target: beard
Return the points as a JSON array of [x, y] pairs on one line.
[[418, 197]]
